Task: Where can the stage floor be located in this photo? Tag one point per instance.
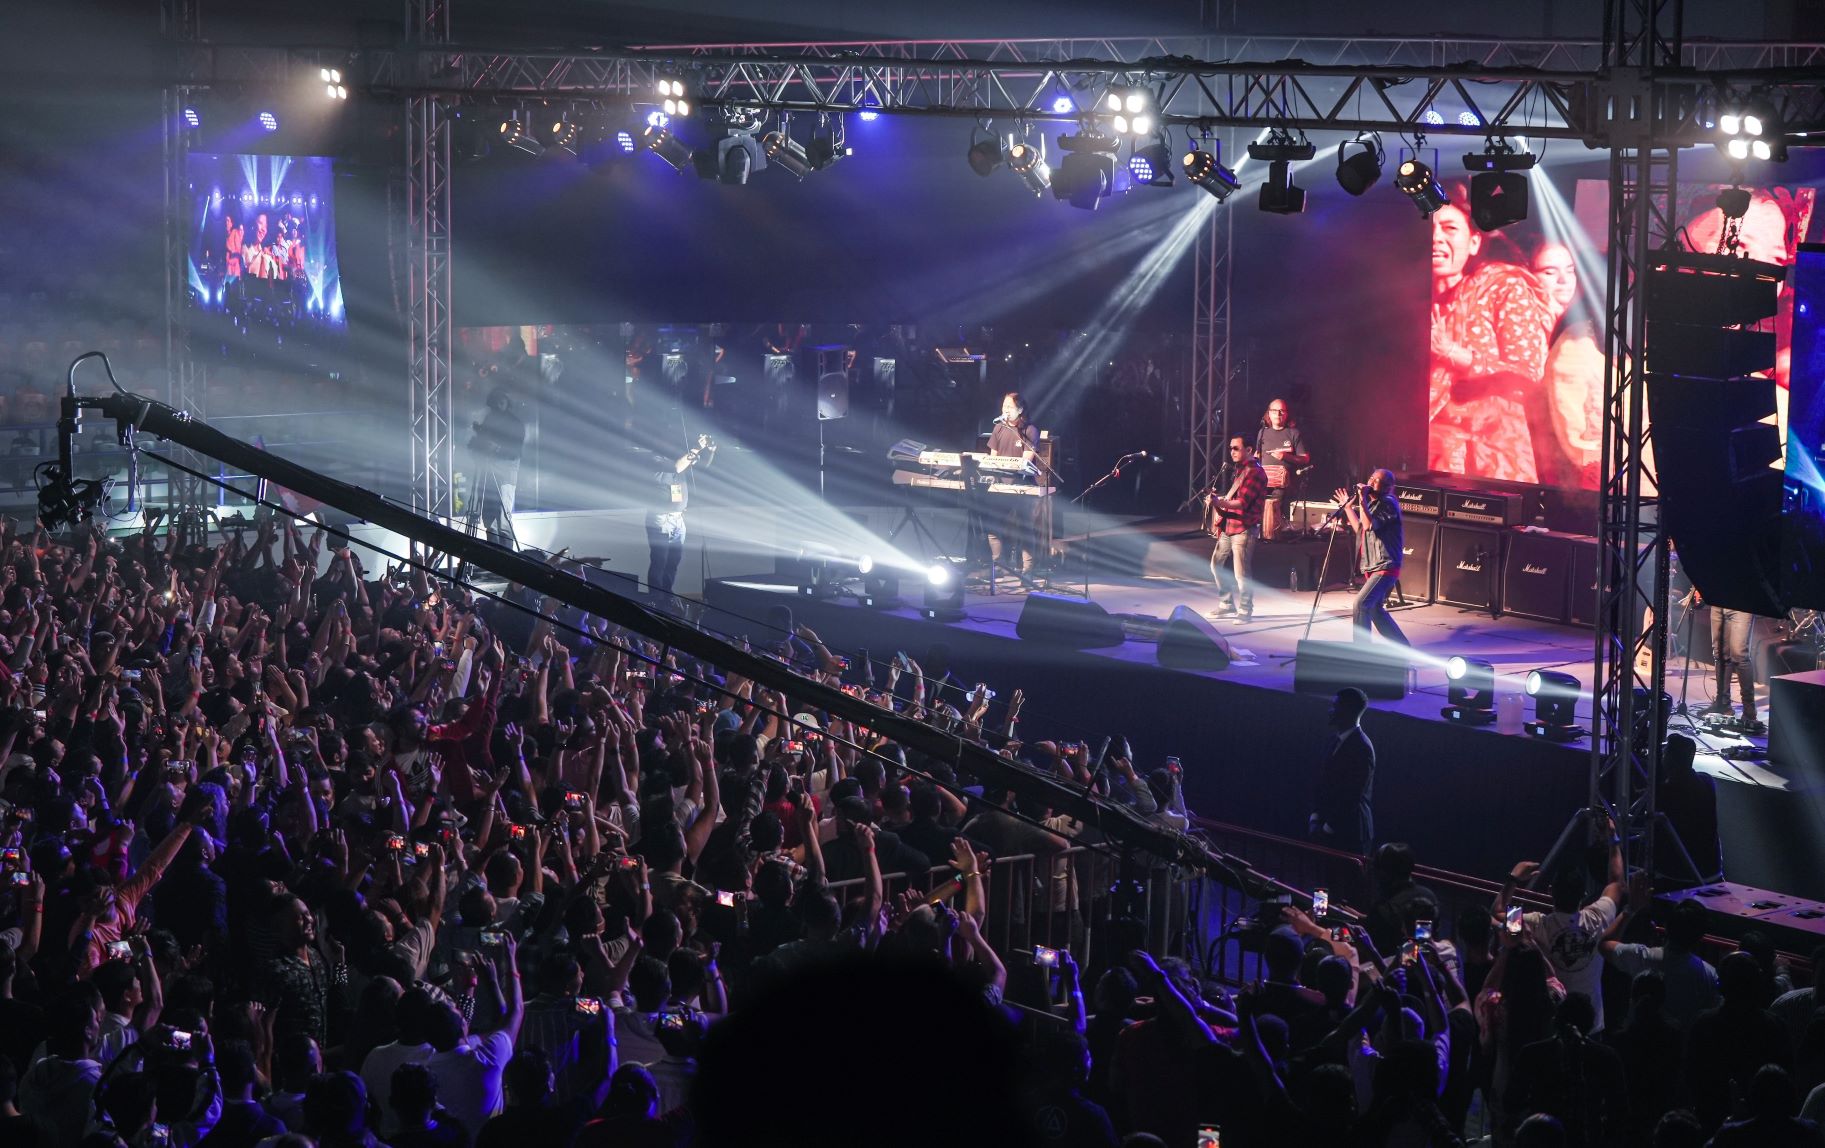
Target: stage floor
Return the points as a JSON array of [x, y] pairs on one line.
[[1263, 647]]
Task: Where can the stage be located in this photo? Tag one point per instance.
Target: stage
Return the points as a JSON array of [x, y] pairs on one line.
[[1250, 743]]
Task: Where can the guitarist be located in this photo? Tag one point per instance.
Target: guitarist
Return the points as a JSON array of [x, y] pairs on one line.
[[1238, 530]]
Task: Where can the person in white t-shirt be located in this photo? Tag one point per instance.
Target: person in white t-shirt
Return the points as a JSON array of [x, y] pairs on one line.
[[468, 1066], [1572, 934]]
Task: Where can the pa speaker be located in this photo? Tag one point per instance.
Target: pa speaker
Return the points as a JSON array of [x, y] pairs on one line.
[[1074, 623], [1377, 669], [1720, 493], [833, 395], [1191, 643]]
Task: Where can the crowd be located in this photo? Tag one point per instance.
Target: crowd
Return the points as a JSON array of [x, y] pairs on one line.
[[298, 856]]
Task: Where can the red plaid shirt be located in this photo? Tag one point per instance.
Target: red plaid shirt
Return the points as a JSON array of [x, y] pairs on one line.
[[1251, 492]]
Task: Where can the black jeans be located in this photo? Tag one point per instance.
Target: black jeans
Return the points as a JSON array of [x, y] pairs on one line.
[[665, 541]]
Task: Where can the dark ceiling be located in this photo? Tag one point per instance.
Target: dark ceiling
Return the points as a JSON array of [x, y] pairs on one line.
[[39, 24]]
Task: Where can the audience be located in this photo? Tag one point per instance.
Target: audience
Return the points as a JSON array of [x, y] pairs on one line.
[[302, 858]]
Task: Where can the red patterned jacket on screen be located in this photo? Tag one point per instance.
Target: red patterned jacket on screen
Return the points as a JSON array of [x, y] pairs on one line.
[[1479, 418]]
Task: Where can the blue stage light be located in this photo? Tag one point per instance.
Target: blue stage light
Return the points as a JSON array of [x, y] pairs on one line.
[[269, 121], [192, 118]]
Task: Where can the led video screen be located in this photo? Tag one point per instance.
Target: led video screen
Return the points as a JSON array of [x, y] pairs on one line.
[[1516, 379], [262, 253]]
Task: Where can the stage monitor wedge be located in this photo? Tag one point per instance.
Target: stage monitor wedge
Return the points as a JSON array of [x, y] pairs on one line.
[[1378, 669], [1191, 643], [1072, 623]]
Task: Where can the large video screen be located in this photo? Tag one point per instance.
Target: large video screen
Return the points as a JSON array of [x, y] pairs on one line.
[[263, 251], [1517, 373]]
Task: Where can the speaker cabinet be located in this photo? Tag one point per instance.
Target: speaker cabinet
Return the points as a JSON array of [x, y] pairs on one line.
[[1419, 559], [1537, 576], [1470, 566], [1072, 623], [1378, 669], [1191, 643], [1796, 725]]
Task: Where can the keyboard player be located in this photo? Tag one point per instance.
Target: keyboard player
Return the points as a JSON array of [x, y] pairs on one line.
[[1012, 528]]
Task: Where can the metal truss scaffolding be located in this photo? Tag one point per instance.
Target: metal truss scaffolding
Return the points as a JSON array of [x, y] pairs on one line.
[[1629, 724], [186, 384], [430, 338]]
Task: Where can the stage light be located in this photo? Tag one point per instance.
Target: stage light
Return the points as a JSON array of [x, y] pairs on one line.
[[1281, 144], [881, 589], [737, 156], [672, 99], [269, 121], [661, 142], [1416, 182], [1086, 175], [1025, 161], [1062, 106], [1279, 194], [1555, 698], [1151, 166], [865, 563], [785, 152], [657, 119], [1206, 170], [944, 591], [1433, 116], [336, 91], [869, 110], [1468, 120], [514, 133], [192, 118], [1499, 194], [1131, 110], [1497, 199], [1470, 692], [564, 134], [985, 153], [824, 150], [625, 142], [332, 83], [1357, 173], [1733, 202]]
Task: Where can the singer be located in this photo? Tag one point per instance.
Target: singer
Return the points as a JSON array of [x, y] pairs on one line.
[[1374, 514], [1011, 534], [1238, 528]]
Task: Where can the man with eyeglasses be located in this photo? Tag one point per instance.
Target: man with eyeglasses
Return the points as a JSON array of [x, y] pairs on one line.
[[1281, 448], [1238, 529]]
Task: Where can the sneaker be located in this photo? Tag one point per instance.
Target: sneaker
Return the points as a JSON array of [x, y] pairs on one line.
[[1223, 611], [1719, 707], [1244, 619]]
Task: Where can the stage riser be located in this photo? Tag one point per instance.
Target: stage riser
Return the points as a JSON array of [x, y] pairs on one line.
[[1797, 925]]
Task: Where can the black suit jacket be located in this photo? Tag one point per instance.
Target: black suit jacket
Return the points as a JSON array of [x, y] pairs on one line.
[[1346, 785]]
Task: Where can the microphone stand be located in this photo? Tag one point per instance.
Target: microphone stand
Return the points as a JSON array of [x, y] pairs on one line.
[[1115, 472], [1324, 569]]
